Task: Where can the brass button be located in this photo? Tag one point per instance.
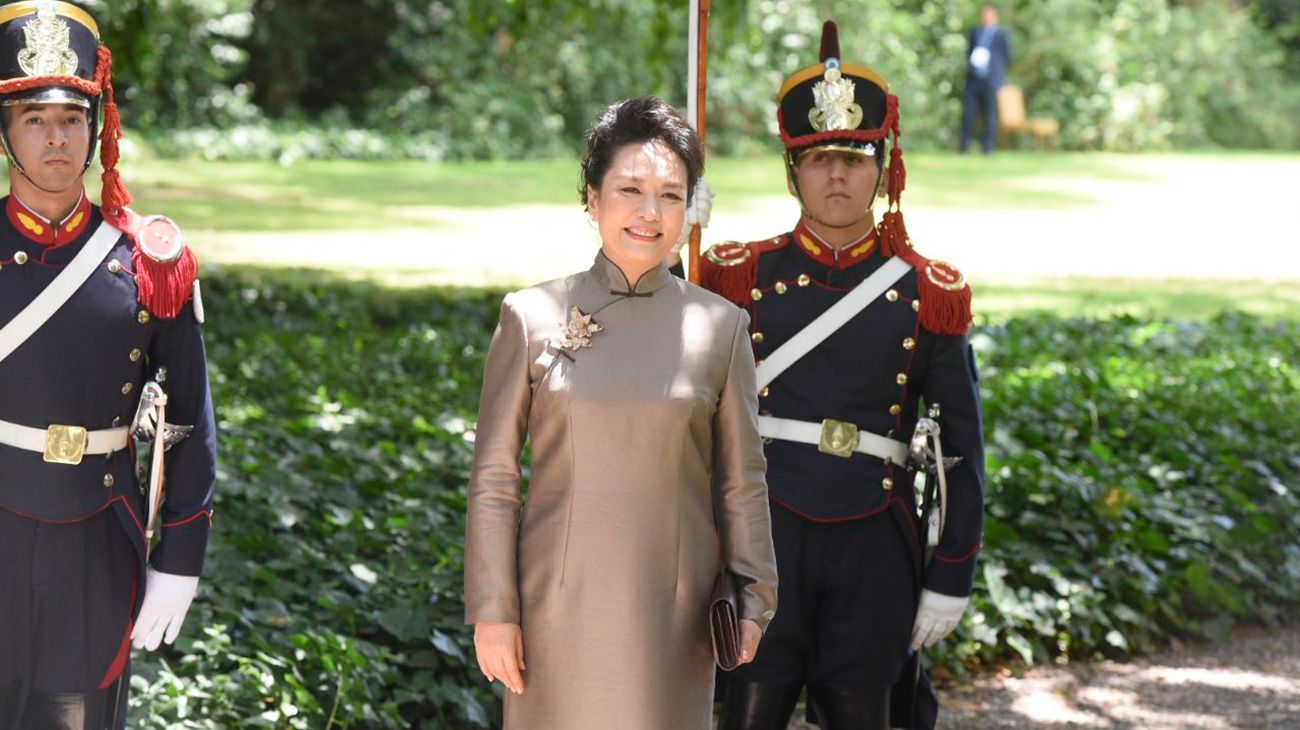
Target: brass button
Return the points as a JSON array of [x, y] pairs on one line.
[[895, 409], [108, 480], [887, 483], [909, 344], [127, 388], [757, 337], [892, 295], [142, 317], [763, 393], [781, 288], [916, 305], [755, 294], [135, 355], [902, 378], [114, 267], [803, 280], [20, 258]]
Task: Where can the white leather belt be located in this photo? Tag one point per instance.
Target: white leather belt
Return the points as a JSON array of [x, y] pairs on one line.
[[64, 444], [833, 437]]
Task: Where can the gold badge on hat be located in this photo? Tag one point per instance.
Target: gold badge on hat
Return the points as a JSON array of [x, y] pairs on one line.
[[833, 107], [49, 44]]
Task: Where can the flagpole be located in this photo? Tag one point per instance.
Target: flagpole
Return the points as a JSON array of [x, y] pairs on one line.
[[697, 90]]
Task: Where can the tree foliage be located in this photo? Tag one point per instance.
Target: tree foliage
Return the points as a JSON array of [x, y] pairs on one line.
[[511, 79]]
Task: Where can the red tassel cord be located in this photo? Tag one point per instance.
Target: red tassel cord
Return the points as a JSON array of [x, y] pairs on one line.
[[163, 288], [115, 196]]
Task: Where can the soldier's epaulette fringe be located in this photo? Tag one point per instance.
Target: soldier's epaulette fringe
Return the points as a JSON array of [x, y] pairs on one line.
[[730, 269], [945, 296], [165, 267]]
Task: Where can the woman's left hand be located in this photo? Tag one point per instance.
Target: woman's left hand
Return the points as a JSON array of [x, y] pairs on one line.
[[750, 635]]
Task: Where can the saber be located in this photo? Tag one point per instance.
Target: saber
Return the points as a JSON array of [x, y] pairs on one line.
[[151, 425], [925, 452], [697, 92]]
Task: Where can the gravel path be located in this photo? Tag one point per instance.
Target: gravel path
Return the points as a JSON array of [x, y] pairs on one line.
[[1250, 681]]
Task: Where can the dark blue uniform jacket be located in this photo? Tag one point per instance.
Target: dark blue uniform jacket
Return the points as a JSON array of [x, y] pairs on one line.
[[85, 367]]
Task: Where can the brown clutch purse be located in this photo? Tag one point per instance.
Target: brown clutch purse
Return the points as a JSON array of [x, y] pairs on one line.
[[724, 628]]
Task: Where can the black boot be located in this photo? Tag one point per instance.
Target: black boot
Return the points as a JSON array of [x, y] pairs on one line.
[[68, 710], [838, 710], [754, 706]]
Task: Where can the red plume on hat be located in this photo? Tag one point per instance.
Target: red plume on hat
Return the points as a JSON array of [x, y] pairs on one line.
[[830, 41]]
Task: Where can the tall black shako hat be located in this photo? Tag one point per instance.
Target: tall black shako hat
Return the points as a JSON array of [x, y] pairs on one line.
[[50, 54], [844, 106]]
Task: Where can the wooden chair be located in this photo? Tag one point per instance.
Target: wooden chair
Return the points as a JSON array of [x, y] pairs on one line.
[[1012, 120]]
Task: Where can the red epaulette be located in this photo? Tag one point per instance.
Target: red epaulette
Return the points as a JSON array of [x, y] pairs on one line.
[[730, 269], [165, 268], [945, 297]]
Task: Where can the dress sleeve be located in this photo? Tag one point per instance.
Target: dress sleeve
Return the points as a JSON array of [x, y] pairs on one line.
[[739, 484], [492, 525]]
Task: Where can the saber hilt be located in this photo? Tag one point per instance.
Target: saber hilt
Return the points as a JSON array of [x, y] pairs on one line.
[[925, 453]]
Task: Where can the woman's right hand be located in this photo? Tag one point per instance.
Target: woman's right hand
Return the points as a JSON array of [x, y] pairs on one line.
[[499, 648]]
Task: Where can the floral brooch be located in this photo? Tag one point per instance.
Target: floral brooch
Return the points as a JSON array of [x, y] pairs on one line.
[[578, 332]]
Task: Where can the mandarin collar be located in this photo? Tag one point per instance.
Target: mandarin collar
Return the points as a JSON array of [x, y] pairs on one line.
[[42, 230], [816, 248], [609, 275]]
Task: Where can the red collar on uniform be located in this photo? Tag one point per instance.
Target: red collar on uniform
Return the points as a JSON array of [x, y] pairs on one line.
[[818, 249], [42, 230]]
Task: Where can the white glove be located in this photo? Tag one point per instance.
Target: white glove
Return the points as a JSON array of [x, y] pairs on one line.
[[936, 617], [697, 213], [167, 599]]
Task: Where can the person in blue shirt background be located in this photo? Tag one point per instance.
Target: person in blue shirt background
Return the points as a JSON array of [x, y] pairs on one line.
[[987, 59]]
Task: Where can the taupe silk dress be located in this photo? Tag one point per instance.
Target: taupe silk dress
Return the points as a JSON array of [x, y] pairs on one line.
[[638, 440]]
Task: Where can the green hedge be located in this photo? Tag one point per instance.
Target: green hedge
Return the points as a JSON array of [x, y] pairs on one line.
[[1142, 483]]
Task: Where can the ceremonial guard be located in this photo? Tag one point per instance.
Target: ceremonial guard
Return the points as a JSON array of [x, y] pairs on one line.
[[854, 333], [101, 359]]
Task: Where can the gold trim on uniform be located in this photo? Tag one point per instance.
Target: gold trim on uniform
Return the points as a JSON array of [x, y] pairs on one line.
[[945, 276], [717, 254], [48, 44], [818, 69], [807, 243], [13, 11], [833, 107]]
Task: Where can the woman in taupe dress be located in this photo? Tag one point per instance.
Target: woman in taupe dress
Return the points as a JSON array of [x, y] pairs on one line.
[[637, 391]]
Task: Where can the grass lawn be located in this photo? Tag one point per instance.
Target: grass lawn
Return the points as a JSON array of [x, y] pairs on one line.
[[290, 205], [358, 195]]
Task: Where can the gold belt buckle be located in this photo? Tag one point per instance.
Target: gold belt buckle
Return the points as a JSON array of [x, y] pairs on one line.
[[65, 444], [838, 438]]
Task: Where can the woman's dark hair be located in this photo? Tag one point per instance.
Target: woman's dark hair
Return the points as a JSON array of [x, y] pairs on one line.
[[643, 119]]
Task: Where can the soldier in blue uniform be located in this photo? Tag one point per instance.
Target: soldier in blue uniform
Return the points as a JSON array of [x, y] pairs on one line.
[[857, 593], [100, 341]]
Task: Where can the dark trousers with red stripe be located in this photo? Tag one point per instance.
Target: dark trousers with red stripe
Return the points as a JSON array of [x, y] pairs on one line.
[[67, 594], [845, 605]]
